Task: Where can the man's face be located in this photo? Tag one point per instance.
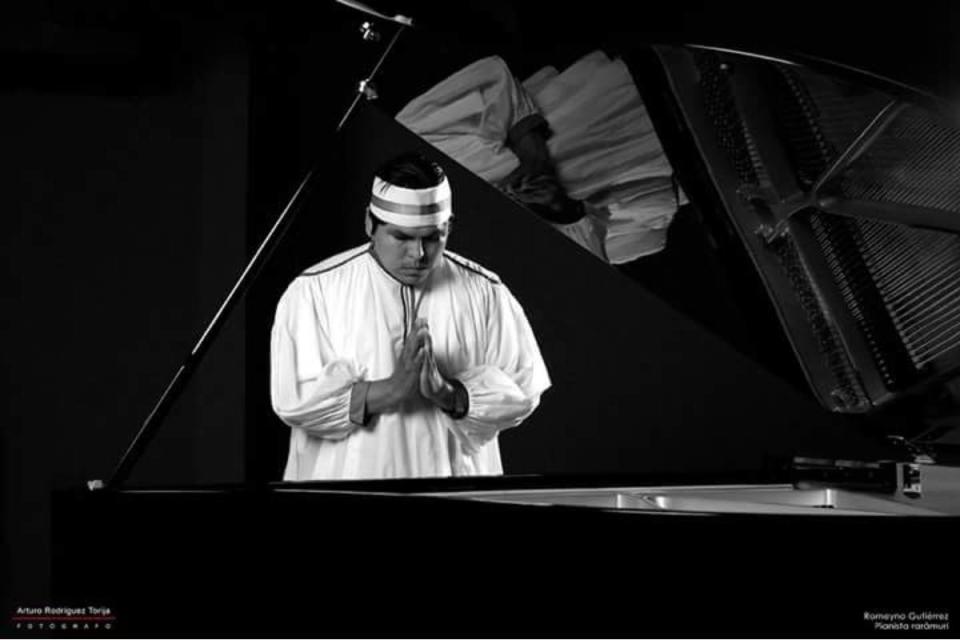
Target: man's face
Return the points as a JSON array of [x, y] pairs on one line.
[[410, 253]]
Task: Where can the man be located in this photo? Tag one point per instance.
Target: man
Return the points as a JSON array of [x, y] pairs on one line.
[[399, 358]]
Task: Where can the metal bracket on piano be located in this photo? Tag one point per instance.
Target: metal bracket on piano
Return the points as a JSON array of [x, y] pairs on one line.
[[782, 209], [879, 476], [887, 476], [368, 89], [369, 33], [920, 453], [908, 478]]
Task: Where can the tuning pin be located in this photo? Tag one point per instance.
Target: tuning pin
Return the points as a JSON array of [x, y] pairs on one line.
[[368, 90], [369, 33]]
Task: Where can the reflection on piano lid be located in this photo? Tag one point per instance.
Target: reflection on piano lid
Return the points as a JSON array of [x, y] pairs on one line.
[[842, 190], [577, 146]]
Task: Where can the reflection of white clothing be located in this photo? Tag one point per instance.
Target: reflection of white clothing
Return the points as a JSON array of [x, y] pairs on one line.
[[468, 116], [344, 321], [603, 143]]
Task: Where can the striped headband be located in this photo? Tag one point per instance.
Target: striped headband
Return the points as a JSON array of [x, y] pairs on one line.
[[411, 207]]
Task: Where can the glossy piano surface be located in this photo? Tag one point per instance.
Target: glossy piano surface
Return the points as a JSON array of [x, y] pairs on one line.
[[877, 491], [756, 499]]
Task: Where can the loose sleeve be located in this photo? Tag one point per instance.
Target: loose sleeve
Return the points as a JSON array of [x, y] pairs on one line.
[[310, 387], [506, 387]]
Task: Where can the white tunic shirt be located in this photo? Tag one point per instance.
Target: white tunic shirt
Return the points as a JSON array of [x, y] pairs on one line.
[[345, 320]]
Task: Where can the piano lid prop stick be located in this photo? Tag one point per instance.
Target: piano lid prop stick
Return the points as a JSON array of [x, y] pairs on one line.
[[359, 6], [185, 372]]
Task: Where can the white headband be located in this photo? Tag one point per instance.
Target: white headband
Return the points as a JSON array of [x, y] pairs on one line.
[[411, 207]]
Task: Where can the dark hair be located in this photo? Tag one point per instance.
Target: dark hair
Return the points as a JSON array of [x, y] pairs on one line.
[[410, 170], [374, 221]]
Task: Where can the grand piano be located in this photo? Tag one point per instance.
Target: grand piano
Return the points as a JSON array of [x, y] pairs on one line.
[[762, 441]]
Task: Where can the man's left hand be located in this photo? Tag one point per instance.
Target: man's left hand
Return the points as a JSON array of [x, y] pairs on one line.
[[433, 386]]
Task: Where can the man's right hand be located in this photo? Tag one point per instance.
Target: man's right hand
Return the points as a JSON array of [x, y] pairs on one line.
[[404, 383]]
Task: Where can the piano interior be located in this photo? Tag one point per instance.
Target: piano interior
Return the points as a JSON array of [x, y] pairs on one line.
[[839, 192]]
